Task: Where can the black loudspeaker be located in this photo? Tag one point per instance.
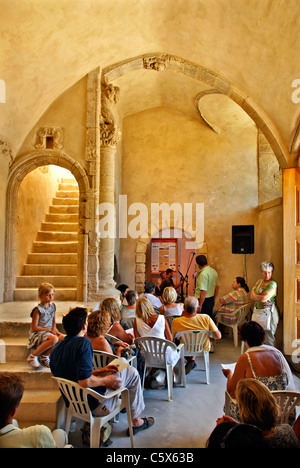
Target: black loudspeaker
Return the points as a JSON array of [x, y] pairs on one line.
[[243, 239]]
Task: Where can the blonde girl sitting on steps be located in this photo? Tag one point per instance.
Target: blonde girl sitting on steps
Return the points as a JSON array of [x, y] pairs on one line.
[[43, 333]]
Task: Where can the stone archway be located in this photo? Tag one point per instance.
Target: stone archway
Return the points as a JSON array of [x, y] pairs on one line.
[[161, 62], [18, 170], [141, 248]]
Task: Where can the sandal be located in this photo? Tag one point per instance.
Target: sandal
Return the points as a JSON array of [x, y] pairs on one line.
[[148, 422]]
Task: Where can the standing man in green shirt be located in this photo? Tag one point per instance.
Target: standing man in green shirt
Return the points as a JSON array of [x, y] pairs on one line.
[[207, 286]]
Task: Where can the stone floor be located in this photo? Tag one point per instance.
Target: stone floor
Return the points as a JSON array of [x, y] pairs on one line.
[[187, 421]]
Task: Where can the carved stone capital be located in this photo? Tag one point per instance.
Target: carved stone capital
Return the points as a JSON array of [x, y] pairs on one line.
[[110, 133], [6, 150]]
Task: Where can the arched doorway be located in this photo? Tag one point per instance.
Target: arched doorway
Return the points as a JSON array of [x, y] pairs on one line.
[[18, 172], [47, 234]]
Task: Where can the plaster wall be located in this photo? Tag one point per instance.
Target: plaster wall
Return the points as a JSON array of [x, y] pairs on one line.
[[270, 243], [170, 157], [3, 182], [69, 113]]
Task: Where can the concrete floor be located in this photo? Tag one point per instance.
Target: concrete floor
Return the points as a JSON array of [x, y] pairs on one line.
[[187, 421]]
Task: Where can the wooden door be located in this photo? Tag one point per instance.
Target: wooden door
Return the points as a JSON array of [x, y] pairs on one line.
[[291, 260]]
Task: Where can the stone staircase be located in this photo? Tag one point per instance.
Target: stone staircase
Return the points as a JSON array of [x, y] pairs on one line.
[[42, 401], [54, 252]]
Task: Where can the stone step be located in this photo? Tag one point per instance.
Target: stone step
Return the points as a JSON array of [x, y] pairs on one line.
[[20, 330], [57, 281], [29, 294], [54, 247], [56, 236], [68, 186], [49, 270], [52, 258], [63, 209], [59, 227], [67, 194], [33, 378], [23, 424], [62, 218], [65, 201], [68, 180], [15, 348], [40, 405]]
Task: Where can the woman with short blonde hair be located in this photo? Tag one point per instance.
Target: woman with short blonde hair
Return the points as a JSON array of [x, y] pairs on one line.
[[144, 309], [170, 308]]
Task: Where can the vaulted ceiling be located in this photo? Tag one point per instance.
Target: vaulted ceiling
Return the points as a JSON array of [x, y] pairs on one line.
[[46, 47]]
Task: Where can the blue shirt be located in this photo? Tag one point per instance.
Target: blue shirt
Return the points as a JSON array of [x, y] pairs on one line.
[[72, 359]]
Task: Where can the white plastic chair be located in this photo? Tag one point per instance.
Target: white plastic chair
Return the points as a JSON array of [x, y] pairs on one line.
[[193, 341], [239, 315], [155, 352], [170, 319], [287, 401], [77, 397], [102, 359], [111, 338]]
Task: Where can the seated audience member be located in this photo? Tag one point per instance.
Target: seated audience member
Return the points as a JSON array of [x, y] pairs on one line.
[[222, 428], [190, 320], [128, 311], [236, 435], [168, 281], [170, 308], [148, 323], [98, 324], [260, 361], [150, 295], [72, 359], [123, 288], [233, 300], [258, 406], [111, 305], [11, 436]]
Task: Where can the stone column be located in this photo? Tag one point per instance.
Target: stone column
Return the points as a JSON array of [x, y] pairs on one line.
[[90, 201], [109, 138]]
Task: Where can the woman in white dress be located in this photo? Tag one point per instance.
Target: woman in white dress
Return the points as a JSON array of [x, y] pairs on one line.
[[149, 323]]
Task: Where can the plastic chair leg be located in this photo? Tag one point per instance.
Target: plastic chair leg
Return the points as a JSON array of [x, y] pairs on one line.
[[68, 421], [126, 404], [206, 362], [95, 427], [169, 369], [235, 335]]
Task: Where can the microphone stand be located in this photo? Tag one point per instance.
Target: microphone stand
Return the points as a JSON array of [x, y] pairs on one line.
[[185, 279]]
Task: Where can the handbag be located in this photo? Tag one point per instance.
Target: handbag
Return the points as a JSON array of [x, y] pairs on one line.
[[263, 317]]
